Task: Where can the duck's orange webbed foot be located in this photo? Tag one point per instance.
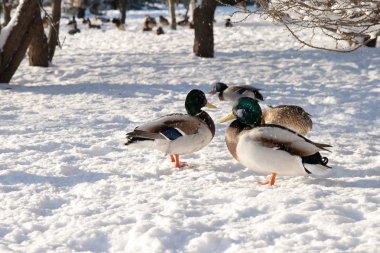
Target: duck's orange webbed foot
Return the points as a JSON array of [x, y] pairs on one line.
[[180, 165], [271, 180]]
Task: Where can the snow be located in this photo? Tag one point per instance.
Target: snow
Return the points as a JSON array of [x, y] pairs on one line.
[[68, 184]]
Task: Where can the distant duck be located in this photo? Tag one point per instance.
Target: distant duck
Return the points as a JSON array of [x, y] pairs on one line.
[[72, 21], [184, 21], [228, 23], [74, 30], [191, 24], [146, 27], [116, 20], [92, 26], [177, 134], [119, 25], [289, 116], [163, 21], [271, 149], [160, 31], [150, 21]]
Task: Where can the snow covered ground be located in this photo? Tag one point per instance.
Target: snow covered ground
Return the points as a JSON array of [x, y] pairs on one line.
[[68, 184]]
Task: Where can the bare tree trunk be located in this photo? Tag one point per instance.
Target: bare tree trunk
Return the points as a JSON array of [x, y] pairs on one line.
[[54, 28], [18, 39], [81, 12], [173, 24], [38, 48], [83, 4], [203, 18], [7, 6], [123, 10]]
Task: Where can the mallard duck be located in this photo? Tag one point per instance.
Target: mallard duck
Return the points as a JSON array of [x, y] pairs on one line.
[[228, 23], [177, 134], [289, 116], [74, 30], [160, 31], [271, 149], [163, 21], [233, 93], [72, 21], [150, 22]]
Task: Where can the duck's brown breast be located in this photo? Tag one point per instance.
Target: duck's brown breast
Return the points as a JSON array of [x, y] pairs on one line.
[[232, 137]]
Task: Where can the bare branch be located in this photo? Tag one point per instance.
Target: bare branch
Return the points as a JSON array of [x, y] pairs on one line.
[[52, 25], [346, 24]]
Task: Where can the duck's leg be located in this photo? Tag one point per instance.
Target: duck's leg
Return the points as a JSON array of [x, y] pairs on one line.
[[172, 158], [271, 180], [179, 164]]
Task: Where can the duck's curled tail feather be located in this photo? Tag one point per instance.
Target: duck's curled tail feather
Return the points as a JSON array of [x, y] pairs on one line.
[[316, 164]]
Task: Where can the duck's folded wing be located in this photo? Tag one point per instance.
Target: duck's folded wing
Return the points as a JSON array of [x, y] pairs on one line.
[[168, 127], [278, 137], [244, 88], [145, 135], [241, 89]]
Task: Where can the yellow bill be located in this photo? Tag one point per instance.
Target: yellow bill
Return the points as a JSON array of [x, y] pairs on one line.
[[227, 118], [209, 105]]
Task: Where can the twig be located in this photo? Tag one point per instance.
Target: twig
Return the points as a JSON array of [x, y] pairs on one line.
[[51, 24]]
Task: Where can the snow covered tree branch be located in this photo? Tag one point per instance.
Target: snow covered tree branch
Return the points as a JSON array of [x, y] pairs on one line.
[[350, 24]]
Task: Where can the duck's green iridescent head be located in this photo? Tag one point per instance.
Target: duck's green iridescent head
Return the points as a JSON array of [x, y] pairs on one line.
[[247, 111], [195, 100]]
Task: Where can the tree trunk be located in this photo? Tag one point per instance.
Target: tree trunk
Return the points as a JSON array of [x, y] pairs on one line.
[[7, 6], [173, 24], [81, 12], [54, 28], [18, 39], [38, 48], [203, 18], [123, 10]]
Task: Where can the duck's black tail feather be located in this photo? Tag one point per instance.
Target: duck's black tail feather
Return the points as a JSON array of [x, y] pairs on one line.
[[316, 164], [131, 140], [139, 136]]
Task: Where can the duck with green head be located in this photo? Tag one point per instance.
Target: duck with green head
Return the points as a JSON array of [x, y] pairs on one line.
[[271, 149], [289, 116], [177, 134]]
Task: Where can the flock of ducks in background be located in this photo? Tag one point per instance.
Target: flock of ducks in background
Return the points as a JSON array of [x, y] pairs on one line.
[[266, 140], [94, 24], [150, 23]]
